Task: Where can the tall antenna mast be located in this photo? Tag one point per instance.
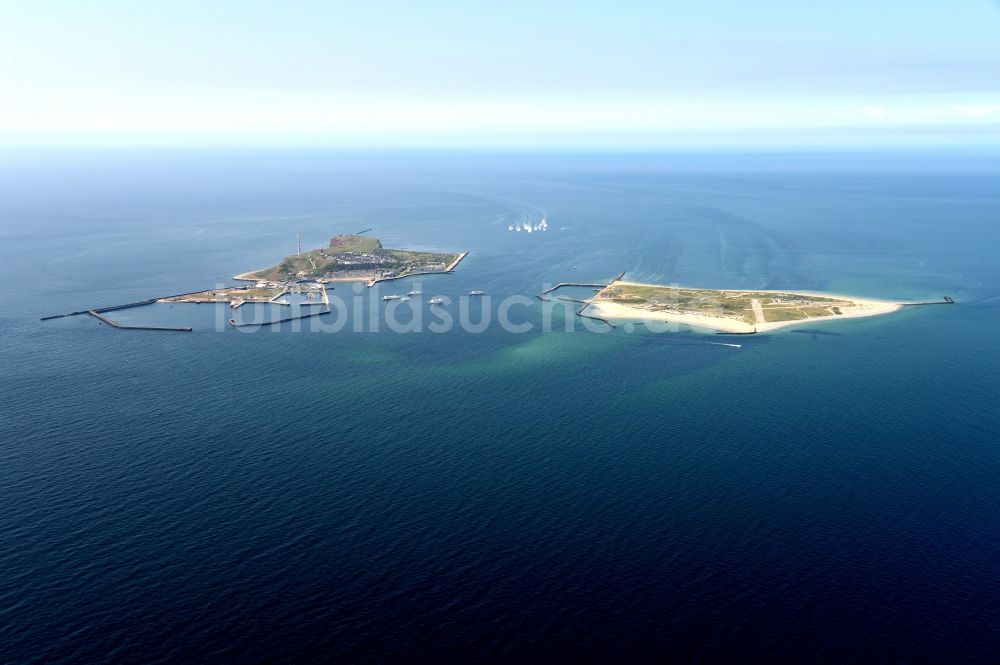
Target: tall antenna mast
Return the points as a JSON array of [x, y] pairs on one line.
[[298, 244]]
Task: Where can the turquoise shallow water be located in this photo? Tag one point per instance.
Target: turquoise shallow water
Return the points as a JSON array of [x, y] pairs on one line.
[[824, 495]]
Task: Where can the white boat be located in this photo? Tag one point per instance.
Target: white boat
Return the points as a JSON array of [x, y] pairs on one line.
[[414, 293], [404, 299], [392, 297], [436, 301], [477, 293]]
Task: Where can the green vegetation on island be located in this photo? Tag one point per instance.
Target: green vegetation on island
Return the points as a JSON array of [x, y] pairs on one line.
[[355, 257], [729, 309]]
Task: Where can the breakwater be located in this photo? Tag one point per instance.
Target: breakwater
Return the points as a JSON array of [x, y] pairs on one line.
[[457, 260], [233, 322], [59, 316], [947, 300], [447, 271], [543, 296], [375, 281], [121, 326], [565, 284], [138, 303], [98, 312]]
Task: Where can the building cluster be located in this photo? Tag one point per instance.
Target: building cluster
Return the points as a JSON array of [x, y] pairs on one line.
[[358, 261]]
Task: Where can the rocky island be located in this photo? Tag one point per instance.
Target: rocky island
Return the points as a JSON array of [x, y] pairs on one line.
[[355, 258]]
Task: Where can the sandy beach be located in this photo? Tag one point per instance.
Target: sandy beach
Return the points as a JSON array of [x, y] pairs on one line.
[[858, 308]]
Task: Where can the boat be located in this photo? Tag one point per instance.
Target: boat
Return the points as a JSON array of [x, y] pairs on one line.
[[404, 299], [414, 293], [436, 301], [392, 297], [477, 293]]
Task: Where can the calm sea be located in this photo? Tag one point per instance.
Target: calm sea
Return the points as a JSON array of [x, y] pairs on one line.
[[826, 494]]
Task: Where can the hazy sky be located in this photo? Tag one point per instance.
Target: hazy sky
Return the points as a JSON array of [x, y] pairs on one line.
[[740, 72]]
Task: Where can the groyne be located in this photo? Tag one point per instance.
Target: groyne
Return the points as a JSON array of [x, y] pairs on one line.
[[580, 313]]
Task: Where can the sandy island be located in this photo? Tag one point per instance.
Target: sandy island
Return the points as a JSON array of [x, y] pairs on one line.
[[838, 307]]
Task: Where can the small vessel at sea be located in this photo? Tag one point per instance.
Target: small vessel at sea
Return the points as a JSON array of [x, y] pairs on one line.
[[477, 293], [404, 299], [391, 297], [414, 293], [436, 301]]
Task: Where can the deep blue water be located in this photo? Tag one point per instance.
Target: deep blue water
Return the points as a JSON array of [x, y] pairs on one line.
[[826, 495]]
